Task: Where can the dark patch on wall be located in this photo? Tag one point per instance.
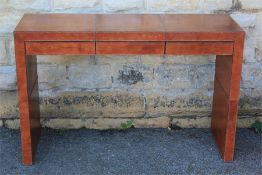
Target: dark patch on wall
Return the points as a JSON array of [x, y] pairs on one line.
[[236, 5], [196, 102], [250, 102], [89, 100], [130, 76]]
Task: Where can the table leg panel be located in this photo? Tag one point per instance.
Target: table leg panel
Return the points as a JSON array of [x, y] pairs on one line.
[[29, 114]]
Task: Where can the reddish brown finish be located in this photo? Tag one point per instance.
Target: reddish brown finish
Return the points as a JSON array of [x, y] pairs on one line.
[[131, 34], [199, 48], [191, 27], [224, 124], [56, 23], [130, 48], [129, 27], [60, 48], [223, 71], [29, 111]]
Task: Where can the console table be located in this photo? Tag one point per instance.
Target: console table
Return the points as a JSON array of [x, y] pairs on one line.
[[159, 34]]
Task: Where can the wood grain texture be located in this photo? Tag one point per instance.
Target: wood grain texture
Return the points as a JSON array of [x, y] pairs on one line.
[[223, 71], [29, 115], [199, 48], [130, 48], [56, 23], [129, 27], [224, 126], [60, 48], [131, 34]]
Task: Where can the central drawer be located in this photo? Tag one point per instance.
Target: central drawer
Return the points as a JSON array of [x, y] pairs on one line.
[[130, 47]]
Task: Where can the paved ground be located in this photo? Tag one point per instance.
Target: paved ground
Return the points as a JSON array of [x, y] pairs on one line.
[[135, 151]]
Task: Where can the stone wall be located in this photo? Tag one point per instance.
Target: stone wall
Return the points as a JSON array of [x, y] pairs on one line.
[[105, 91]]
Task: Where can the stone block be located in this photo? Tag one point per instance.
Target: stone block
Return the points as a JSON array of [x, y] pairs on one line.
[[192, 122], [104, 123], [245, 20], [8, 21], [184, 76], [29, 5], [8, 78], [163, 105], [92, 105], [247, 121], [62, 123], [172, 76], [123, 6], [52, 76], [3, 53], [82, 4], [89, 76], [11, 50], [251, 4], [214, 5], [172, 5], [12, 123], [251, 75], [159, 122], [8, 104], [250, 102]]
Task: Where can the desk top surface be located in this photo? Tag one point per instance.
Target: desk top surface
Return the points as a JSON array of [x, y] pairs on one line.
[[211, 23]]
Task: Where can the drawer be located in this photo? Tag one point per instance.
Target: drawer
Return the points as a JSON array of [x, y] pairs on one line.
[[199, 48], [59, 48], [130, 48]]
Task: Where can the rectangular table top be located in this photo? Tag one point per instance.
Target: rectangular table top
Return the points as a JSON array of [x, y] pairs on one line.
[[127, 23]]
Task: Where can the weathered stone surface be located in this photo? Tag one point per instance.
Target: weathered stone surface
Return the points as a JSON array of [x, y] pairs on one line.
[[172, 5], [205, 122], [184, 76], [93, 105], [52, 76], [12, 123], [65, 4], [192, 122], [10, 46], [88, 76], [3, 55], [159, 122], [158, 105], [249, 51], [28, 4], [8, 104], [247, 121], [251, 4], [64, 59], [252, 76], [8, 21], [105, 123], [63, 123], [246, 20], [8, 78], [132, 75], [250, 102], [211, 5], [122, 6]]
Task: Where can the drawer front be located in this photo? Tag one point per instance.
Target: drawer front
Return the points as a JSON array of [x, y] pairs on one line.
[[130, 48], [199, 48], [59, 48]]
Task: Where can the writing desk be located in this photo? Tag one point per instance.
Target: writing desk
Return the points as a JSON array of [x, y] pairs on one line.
[[131, 34]]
